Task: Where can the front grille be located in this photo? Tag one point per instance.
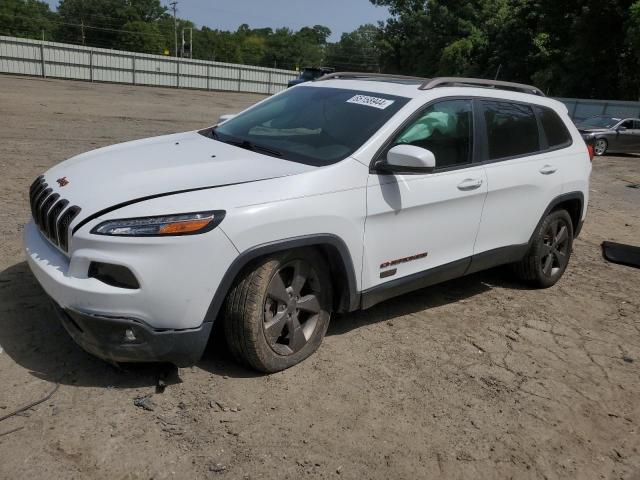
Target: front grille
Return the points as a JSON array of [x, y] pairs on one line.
[[51, 213]]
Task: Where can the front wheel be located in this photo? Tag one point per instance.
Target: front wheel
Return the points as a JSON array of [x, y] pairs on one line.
[[549, 253], [278, 311], [601, 147]]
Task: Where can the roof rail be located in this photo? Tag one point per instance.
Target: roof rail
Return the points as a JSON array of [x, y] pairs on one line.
[[478, 82], [384, 76], [429, 83]]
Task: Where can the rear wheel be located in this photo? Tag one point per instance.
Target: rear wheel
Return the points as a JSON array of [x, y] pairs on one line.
[[549, 253], [278, 311], [601, 147]]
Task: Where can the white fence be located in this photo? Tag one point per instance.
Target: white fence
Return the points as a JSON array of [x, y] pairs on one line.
[[580, 109], [60, 60]]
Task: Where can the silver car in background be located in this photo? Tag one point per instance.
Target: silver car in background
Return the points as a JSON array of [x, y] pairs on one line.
[[611, 134]]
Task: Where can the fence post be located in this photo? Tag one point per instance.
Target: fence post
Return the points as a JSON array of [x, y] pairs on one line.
[[239, 79], [269, 87], [133, 69], [177, 73], [42, 60], [91, 65], [208, 77]]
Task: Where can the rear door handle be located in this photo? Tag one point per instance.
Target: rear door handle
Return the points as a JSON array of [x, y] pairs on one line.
[[470, 184], [548, 170]]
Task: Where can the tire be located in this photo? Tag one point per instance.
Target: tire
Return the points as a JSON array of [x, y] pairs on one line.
[[284, 293], [601, 147], [550, 251]]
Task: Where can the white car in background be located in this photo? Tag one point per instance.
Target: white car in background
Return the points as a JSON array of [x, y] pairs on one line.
[[329, 197]]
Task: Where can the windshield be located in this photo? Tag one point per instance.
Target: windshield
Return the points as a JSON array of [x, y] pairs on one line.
[[601, 122], [312, 125]]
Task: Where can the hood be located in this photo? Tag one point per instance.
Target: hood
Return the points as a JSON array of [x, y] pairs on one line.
[[152, 167], [589, 129]]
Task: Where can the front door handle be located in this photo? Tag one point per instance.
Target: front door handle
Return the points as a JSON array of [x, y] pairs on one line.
[[548, 170], [470, 184]]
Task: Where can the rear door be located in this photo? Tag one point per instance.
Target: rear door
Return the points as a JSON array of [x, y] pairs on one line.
[[419, 222], [524, 169]]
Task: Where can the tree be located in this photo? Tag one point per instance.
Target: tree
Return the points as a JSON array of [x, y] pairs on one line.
[[100, 22], [26, 18], [630, 58], [559, 46], [142, 37], [356, 51]]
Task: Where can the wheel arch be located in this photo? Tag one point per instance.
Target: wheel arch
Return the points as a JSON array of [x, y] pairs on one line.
[[333, 249], [573, 203]]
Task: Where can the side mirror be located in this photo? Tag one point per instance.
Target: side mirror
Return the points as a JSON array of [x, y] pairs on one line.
[[408, 159], [621, 129], [224, 118]]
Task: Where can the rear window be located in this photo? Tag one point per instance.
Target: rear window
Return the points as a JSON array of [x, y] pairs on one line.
[[554, 128], [512, 129]]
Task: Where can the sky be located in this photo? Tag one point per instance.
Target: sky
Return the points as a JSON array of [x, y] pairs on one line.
[[339, 15]]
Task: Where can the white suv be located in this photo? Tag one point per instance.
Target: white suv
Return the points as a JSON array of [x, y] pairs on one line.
[[329, 197]]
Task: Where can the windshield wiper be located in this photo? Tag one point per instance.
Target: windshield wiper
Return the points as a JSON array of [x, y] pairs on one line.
[[247, 145]]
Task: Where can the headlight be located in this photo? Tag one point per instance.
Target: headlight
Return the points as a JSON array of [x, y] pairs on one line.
[[165, 225]]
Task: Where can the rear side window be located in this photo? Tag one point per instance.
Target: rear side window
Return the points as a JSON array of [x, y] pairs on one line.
[[512, 129], [554, 128]]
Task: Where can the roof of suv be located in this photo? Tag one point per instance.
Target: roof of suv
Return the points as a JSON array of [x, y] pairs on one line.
[[414, 87]]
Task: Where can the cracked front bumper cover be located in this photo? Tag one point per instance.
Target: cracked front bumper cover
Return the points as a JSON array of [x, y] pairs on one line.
[[107, 338]]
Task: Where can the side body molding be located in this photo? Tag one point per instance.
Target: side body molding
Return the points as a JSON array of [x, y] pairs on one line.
[[326, 239]]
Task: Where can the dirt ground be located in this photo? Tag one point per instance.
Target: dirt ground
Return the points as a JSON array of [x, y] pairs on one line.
[[476, 378]]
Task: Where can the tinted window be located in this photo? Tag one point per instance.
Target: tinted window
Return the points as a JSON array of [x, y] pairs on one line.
[[512, 129], [627, 124], [554, 128], [445, 128], [636, 124], [312, 125], [600, 121]]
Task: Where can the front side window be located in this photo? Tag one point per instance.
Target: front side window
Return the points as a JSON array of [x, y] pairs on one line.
[[628, 124], [512, 129], [446, 129], [554, 128], [312, 125]]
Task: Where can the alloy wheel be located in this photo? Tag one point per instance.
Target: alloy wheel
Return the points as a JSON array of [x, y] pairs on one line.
[[292, 307], [555, 248], [601, 146]]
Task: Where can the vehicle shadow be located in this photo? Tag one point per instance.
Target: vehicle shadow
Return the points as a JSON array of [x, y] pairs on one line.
[[430, 297], [32, 336]]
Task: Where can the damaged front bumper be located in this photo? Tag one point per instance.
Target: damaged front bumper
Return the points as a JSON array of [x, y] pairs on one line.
[[121, 340]]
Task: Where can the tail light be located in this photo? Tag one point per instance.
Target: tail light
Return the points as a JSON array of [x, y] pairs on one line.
[[591, 147]]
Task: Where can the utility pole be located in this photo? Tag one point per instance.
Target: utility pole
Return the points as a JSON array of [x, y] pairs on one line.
[[82, 29], [175, 27]]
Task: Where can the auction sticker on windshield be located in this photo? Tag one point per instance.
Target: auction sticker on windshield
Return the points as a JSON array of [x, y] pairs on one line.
[[380, 103]]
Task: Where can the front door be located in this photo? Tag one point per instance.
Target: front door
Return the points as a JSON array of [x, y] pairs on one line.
[[416, 223], [626, 138]]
